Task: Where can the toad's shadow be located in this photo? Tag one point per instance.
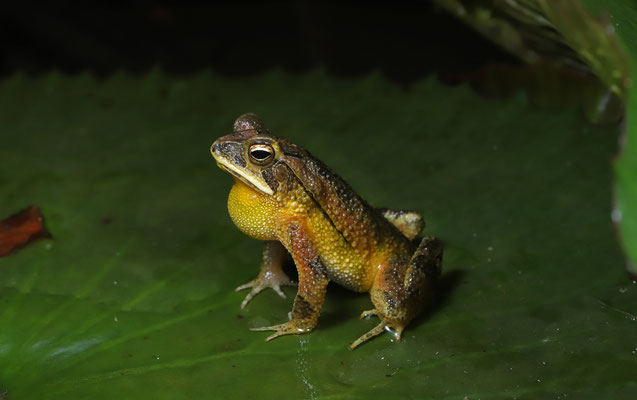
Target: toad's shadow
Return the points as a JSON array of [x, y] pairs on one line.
[[447, 284]]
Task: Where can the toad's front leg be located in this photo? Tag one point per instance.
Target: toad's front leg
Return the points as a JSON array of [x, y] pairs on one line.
[[313, 280]]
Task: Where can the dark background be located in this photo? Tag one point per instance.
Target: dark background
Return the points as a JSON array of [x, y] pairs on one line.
[[404, 42]]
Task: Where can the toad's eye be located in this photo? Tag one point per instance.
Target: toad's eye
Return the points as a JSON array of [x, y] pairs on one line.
[[261, 154]]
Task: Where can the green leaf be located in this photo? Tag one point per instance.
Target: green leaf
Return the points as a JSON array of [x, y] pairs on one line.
[[598, 33], [594, 41], [133, 297], [622, 16]]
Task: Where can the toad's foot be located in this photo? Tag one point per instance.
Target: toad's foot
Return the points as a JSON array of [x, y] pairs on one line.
[[383, 326], [288, 328], [263, 282]]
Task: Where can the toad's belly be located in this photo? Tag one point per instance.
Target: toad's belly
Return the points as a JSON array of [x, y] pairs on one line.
[[346, 266]]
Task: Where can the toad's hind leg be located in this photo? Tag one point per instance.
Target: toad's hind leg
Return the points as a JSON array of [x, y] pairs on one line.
[[422, 274], [399, 297]]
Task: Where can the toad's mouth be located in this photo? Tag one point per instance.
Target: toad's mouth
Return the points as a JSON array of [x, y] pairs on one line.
[[244, 177]]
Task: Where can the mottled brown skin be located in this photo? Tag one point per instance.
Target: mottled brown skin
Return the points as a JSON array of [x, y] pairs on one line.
[[295, 203]]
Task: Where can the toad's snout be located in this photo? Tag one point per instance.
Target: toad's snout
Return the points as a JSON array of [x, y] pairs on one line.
[[215, 148]]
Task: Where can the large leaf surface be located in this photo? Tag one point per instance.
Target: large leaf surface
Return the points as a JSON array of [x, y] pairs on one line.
[[133, 297]]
